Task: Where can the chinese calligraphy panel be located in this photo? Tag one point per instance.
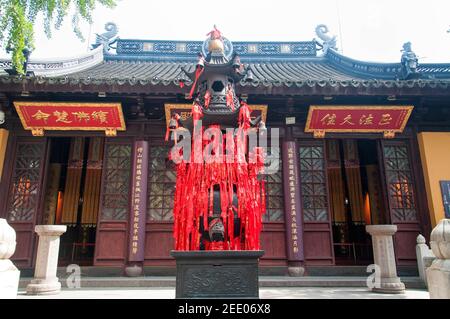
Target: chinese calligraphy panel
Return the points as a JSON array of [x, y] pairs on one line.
[[387, 119], [40, 116]]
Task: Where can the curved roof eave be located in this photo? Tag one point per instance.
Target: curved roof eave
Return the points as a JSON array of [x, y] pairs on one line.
[[132, 63], [61, 67], [386, 71]]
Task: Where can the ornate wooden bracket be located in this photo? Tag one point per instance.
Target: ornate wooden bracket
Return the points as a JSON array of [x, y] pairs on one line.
[[38, 131], [319, 133], [388, 134], [110, 132]]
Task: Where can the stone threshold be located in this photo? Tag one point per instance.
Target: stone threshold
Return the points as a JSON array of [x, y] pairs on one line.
[[264, 271], [264, 281]]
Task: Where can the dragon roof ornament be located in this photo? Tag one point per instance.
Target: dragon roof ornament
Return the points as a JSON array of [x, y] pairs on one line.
[[108, 38], [409, 62], [328, 41]]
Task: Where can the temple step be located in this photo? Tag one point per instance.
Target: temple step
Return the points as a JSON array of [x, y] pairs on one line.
[[264, 281], [265, 271]]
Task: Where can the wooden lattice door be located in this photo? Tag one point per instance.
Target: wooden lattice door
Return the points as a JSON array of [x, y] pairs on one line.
[[160, 201], [23, 203], [401, 197], [317, 234], [111, 239]]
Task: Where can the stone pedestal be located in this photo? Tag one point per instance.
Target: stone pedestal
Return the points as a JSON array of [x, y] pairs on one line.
[[296, 271], [438, 274], [423, 254], [217, 274], [134, 271], [384, 257], [45, 280], [9, 274]]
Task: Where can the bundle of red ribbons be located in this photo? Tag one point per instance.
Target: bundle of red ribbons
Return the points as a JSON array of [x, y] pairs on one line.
[[235, 174]]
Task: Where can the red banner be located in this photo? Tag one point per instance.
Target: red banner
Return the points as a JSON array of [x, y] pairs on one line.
[[40, 116], [359, 119]]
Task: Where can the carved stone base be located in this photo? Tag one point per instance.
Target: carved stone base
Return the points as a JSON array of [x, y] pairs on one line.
[[390, 286], [43, 287], [217, 274], [133, 271], [438, 274], [439, 279], [296, 271], [9, 280]]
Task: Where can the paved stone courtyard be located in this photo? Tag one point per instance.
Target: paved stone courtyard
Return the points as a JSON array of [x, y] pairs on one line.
[[265, 293]]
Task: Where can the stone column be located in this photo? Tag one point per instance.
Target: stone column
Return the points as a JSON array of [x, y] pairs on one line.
[[384, 257], [9, 274], [45, 280], [438, 274]]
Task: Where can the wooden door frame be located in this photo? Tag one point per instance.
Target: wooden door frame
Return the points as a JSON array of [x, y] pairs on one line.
[[104, 225], [405, 228], [6, 188], [317, 226]]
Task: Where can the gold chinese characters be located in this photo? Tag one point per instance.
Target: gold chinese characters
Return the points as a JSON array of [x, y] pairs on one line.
[[137, 199], [292, 199], [365, 119], [79, 116], [77, 119], [39, 117]]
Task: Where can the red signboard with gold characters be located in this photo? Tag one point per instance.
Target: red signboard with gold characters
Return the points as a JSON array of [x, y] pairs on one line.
[[59, 116], [359, 119]]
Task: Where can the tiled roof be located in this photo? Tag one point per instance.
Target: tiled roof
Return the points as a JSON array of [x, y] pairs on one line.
[[280, 71], [273, 64]]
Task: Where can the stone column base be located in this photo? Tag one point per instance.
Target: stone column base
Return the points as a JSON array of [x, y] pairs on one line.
[[390, 286], [133, 271], [296, 271], [9, 280], [43, 287]]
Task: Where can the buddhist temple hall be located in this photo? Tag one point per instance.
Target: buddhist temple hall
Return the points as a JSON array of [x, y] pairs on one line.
[[85, 142]]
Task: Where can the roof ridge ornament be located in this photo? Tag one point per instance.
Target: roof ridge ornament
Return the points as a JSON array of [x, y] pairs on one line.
[[328, 41], [217, 49], [108, 38], [409, 62], [26, 53]]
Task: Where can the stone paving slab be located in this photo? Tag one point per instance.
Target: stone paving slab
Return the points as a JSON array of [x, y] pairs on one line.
[[265, 293]]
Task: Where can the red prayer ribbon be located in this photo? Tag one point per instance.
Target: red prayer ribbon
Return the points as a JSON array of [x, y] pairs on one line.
[[194, 193]]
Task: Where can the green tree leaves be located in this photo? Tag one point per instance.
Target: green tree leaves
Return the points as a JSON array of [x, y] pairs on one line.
[[17, 19]]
